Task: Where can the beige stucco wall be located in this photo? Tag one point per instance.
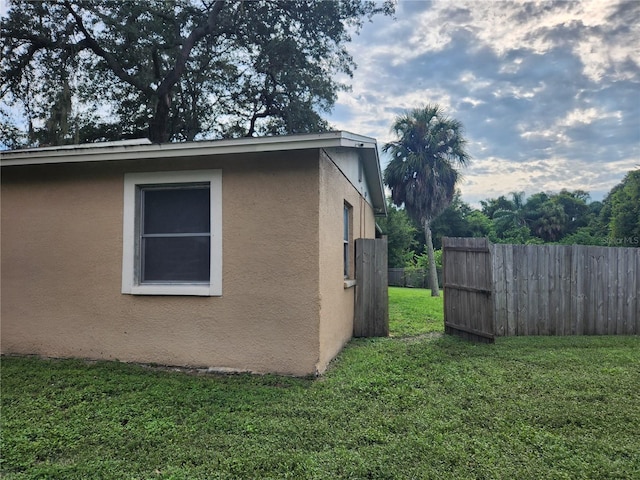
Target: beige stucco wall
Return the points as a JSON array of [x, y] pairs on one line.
[[337, 305], [62, 259]]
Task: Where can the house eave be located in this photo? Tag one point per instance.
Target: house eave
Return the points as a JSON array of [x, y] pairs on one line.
[[373, 176], [143, 149]]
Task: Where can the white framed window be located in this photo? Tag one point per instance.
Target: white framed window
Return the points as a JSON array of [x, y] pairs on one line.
[[172, 233]]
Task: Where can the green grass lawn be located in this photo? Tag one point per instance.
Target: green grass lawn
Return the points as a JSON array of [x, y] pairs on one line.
[[429, 406], [413, 311]]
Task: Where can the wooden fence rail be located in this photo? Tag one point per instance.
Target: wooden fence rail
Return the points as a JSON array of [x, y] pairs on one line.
[[552, 289]]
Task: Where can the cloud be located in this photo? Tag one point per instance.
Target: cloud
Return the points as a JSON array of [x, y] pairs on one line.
[[548, 92]]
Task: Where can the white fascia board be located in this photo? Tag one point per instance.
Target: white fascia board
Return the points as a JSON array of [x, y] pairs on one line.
[[137, 151]]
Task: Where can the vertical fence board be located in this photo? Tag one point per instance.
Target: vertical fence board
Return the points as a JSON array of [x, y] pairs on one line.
[[528, 289], [571, 329], [518, 280], [578, 268], [599, 319], [565, 311], [372, 297], [629, 303], [591, 287], [611, 303], [553, 289], [636, 299], [562, 307], [612, 288], [545, 277], [619, 286], [588, 289], [500, 293], [602, 316], [512, 290]]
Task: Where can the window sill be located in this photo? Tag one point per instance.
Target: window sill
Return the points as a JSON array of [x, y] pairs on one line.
[[349, 283], [188, 290]]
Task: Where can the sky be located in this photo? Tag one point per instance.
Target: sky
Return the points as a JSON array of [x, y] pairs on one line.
[[548, 92]]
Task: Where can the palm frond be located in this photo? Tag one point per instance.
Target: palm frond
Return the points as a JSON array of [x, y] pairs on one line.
[[425, 158]]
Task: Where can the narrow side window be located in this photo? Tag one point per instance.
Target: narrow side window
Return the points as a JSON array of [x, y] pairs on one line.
[[347, 239]]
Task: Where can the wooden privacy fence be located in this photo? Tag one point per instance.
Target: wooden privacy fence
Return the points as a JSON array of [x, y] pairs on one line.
[[543, 289], [372, 294], [566, 290]]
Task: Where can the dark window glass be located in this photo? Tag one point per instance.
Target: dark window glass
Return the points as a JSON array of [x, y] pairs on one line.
[[175, 242], [176, 259], [345, 224], [176, 210], [347, 260]]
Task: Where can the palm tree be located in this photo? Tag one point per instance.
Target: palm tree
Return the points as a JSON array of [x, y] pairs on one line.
[[552, 223], [512, 216], [422, 173]]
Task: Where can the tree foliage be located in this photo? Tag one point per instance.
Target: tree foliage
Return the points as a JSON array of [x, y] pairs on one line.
[[510, 217], [612, 222], [401, 236], [624, 225], [567, 217], [89, 70], [422, 173], [460, 220]]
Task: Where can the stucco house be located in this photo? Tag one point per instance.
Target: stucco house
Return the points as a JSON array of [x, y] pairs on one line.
[[230, 254]]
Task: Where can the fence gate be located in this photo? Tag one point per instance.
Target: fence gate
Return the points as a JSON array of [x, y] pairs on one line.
[[372, 296], [467, 285]]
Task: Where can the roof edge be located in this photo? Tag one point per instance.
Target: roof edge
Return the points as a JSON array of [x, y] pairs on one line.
[[143, 149]]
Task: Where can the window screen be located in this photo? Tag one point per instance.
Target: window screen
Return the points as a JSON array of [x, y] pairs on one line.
[[175, 233], [345, 239]]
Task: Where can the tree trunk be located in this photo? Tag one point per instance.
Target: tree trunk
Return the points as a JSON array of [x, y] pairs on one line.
[[158, 127], [433, 273]]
